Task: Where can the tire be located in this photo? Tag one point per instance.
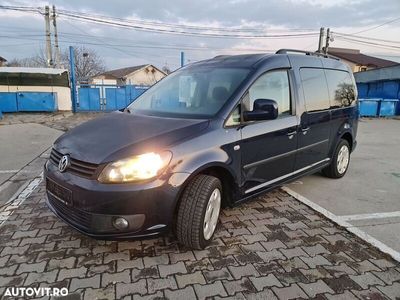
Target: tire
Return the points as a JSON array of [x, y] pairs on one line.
[[190, 227], [333, 170]]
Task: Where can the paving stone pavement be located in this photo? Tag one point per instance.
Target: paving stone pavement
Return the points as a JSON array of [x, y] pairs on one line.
[[270, 248]]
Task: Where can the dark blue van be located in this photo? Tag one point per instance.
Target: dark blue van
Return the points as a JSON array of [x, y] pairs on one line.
[[212, 134]]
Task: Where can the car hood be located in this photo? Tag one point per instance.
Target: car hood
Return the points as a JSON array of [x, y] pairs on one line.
[[119, 135]]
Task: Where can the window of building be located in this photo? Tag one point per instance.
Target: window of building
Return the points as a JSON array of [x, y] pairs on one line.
[[315, 89], [274, 86], [341, 88]]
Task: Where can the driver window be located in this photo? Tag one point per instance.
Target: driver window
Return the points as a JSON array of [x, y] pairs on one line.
[[274, 86]]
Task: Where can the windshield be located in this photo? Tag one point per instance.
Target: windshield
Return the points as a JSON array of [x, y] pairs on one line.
[[194, 92]]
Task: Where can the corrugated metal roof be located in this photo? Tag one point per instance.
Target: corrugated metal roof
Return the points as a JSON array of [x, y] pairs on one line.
[[122, 72], [32, 70]]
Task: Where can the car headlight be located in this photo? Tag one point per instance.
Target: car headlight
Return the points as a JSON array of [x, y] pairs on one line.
[[136, 168]]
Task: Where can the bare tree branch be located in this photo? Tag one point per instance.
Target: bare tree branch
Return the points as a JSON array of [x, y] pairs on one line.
[[87, 62]]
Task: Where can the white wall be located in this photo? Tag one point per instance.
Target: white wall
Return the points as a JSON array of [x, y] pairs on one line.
[[104, 81], [63, 94], [145, 77]]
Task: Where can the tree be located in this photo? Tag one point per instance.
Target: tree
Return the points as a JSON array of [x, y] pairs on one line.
[[166, 69], [36, 61], [87, 62]]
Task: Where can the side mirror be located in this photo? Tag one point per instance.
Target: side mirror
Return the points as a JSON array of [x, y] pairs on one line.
[[264, 109]]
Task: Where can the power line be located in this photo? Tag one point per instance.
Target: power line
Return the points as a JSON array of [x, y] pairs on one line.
[[390, 47], [366, 38], [169, 28], [176, 32], [165, 47], [22, 8], [193, 27], [378, 26]]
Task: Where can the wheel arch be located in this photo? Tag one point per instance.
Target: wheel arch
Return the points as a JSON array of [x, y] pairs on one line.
[[223, 173], [349, 138]]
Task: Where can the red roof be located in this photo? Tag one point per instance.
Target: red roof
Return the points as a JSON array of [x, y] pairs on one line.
[[361, 59]]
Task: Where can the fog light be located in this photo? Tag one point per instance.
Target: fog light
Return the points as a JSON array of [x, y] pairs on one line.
[[120, 223]]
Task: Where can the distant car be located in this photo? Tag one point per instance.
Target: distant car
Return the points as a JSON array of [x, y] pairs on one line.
[[212, 134]]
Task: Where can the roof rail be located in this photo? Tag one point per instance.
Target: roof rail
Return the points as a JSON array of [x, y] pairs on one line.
[[311, 53]]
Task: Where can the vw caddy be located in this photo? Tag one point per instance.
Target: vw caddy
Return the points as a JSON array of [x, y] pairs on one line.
[[212, 134]]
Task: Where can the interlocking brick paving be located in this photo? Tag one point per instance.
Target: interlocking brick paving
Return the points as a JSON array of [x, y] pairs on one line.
[[271, 248]]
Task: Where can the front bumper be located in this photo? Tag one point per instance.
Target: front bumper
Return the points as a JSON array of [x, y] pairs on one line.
[[148, 207]]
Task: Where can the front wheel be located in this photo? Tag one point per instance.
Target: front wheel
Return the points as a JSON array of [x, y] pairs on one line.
[[340, 161], [198, 211]]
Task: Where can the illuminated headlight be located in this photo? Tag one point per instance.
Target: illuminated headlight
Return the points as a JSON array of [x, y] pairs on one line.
[[136, 168]]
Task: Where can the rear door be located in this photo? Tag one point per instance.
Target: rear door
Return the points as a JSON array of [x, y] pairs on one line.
[[315, 121]]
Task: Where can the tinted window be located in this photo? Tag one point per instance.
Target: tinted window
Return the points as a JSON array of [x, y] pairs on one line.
[[341, 88], [272, 85], [315, 89]]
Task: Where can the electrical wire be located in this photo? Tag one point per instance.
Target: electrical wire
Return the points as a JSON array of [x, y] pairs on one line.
[[365, 37], [175, 32], [169, 28], [70, 37], [371, 44], [193, 27], [378, 26]]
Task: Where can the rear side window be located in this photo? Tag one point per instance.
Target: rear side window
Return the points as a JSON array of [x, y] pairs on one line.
[[341, 88], [315, 89]]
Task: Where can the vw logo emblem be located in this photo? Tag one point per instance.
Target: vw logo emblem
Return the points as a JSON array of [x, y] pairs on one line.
[[64, 163]]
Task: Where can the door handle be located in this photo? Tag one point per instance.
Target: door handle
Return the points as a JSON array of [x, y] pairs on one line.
[[305, 130], [291, 134]]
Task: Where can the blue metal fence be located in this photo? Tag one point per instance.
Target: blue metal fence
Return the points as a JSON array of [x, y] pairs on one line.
[[27, 101], [94, 97]]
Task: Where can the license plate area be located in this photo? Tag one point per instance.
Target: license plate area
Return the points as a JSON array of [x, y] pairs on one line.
[[59, 192]]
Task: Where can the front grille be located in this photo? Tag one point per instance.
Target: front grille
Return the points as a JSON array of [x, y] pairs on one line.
[[77, 217], [77, 167]]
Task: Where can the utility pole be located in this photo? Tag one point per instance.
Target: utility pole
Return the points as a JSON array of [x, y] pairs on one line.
[[321, 39], [182, 58], [56, 47], [72, 77], [328, 37], [48, 37]]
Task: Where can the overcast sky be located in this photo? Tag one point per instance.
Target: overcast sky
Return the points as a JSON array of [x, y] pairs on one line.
[[22, 34]]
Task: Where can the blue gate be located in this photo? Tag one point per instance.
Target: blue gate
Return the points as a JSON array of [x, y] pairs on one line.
[[106, 97], [27, 101]]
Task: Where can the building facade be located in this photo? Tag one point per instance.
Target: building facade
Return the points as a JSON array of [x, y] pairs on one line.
[[34, 89], [143, 75], [360, 62], [2, 61]]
